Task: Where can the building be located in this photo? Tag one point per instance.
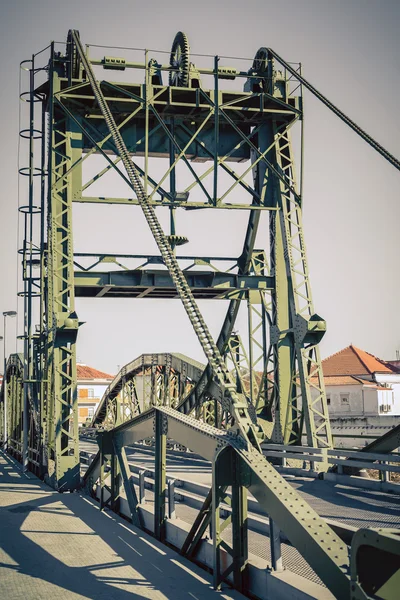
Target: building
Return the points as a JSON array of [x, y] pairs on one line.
[[91, 386], [360, 384]]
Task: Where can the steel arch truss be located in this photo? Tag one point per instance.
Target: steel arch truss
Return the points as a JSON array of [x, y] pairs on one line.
[[148, 381], [13, 389]]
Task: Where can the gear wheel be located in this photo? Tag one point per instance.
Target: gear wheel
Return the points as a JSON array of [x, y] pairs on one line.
[[179, 59], [260, 61], [260, 67], [74, 62]]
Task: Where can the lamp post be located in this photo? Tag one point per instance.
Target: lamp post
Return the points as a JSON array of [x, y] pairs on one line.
[[1, 337], [7, 313]]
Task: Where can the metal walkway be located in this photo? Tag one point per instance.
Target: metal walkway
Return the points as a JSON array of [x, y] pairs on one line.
[[53, 543]]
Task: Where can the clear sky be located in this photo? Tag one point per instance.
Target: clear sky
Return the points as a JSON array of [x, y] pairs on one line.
[[349, 50]]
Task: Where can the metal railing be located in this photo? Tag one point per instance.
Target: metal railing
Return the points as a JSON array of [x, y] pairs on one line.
[[340, 458]]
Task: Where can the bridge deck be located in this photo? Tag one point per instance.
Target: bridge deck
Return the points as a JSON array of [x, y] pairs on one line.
[[342, 503], [52, 543], [345, 503]]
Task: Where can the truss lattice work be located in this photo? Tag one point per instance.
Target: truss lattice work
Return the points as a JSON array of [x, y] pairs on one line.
[[235, 147]]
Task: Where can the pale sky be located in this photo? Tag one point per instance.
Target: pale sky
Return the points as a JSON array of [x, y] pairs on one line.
[[349, 50]]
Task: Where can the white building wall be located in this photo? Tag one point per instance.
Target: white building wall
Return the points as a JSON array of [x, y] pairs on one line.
[[98, 391], [393, 380], [362, 400], [345, 400], [371, 401]]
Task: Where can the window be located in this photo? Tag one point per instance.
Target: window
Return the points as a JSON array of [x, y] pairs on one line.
[[344, 399], [328, 399], [91, 411], [90, 393]]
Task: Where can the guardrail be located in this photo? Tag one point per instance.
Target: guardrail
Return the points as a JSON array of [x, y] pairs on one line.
[[192, 494], [344, 460]]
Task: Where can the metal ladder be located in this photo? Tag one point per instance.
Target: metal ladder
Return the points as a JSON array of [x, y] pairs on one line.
[[237, 404]]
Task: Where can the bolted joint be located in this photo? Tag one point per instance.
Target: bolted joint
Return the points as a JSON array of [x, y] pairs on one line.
[[309, 331], [67, 325]]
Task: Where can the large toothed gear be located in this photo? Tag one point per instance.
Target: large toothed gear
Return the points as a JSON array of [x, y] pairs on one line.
[[260, 67], [260, 63], [179, 60], [74, 62]]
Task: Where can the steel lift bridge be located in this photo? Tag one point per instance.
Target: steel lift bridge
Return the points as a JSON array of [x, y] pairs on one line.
[[217, 147]]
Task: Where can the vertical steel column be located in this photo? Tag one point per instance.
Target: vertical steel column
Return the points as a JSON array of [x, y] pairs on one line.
[[275, 543], [115, 481], [171, 499], [5, 421], [227, 471], [102, 472], [251, 347], [215, 524], [142, 493], [281, 338], [108, 469], [216, 129], [62, 402], [129, 487], [239, 528], [306, 327], [161, 427]]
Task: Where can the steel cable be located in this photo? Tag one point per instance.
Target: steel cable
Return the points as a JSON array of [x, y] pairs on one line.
[[363, 134]]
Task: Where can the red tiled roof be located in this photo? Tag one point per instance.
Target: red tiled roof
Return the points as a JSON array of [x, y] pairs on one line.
[[353, 361], [342, 380], [338, 380], [85, 372]]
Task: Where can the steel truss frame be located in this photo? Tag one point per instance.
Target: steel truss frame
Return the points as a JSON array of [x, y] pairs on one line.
[[119, 121], [268, 382]]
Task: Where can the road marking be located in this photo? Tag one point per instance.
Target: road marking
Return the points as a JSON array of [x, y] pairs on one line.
[[193, 596], [96, 506], [127, 528], [155, 566], [185, 568], [152, 546], [131, 547]]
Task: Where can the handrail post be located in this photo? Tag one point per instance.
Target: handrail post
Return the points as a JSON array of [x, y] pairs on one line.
[[161, 428], [276, 551], [142, 497], [171, 499]]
